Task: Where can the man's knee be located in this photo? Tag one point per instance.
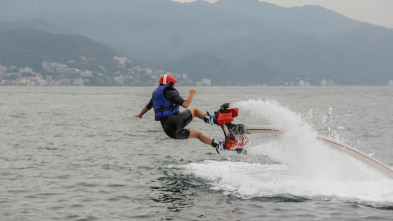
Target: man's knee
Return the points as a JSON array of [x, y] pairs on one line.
[[194, 134], [193, 110]]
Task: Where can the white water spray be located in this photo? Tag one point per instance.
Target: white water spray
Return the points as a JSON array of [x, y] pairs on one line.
[[307, 167]]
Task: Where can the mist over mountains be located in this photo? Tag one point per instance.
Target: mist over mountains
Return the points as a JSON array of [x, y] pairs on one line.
[[230, 42]]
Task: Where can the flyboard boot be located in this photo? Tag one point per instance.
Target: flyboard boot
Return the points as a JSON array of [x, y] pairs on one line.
[[210, 119], [219, 145], [235, 138]]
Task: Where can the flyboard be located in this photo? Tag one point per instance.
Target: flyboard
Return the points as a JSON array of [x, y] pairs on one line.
[[236, 138], [236, 134]]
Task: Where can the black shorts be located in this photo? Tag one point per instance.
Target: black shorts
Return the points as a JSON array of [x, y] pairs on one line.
[[174, 125]]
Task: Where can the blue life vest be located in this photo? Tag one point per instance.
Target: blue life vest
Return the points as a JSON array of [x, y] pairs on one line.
[[163, 107]]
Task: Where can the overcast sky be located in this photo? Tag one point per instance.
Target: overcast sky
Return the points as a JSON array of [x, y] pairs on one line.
[[378, 12]]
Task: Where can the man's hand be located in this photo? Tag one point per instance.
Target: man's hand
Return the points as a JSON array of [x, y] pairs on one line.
[[187, 102], [193, 91], [144, 110]]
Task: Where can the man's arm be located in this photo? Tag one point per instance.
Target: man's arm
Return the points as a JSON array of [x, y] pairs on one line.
[[187, 102], [145, 109]]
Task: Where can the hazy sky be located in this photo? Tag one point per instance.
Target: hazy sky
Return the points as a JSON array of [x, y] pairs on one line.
[[378, 12]]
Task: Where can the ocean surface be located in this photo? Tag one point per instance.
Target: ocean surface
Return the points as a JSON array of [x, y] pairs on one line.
[[78, 153]]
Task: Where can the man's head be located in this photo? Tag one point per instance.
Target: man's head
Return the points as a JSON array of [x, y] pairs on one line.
[[167, 79]]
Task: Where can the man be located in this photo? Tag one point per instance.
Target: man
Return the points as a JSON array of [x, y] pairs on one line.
[[166, 101]]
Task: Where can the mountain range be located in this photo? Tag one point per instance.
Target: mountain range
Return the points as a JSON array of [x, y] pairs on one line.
[[231, 42], [33, 57], [24, 46]]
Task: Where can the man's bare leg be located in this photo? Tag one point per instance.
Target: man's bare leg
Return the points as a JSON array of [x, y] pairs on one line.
[[196, 112], [202, 137]]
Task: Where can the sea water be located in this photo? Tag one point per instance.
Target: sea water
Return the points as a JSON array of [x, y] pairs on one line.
[[78, 153]]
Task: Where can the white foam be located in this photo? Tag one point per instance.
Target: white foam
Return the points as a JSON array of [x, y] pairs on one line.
[[307, 167], [247, 180]]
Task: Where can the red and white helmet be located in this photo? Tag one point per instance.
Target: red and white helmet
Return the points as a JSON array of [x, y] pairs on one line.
[[167, 78]]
